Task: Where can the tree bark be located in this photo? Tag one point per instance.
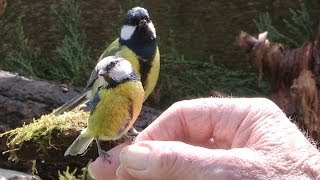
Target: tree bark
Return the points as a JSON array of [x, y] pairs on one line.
[[22, 98], [294, 76]]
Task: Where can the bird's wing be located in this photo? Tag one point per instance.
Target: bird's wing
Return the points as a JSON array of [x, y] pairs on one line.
[[112, 49], [93, 77], [73, 103], [94, 102], [80, 99]]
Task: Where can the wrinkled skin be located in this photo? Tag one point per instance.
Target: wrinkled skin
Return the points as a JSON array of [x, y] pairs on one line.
[[215, 138]]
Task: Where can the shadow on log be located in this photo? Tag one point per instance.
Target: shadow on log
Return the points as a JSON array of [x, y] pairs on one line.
[[294, 76]]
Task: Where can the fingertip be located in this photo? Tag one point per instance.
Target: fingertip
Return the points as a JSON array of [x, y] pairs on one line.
[[91, 171], [102, 168], [123, 174]]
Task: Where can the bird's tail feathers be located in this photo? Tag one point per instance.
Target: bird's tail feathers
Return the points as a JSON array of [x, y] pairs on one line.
[[73, 103], [79, 146]]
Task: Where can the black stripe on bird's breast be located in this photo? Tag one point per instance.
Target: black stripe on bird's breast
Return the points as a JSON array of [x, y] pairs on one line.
[[145, 47], [145, 67]]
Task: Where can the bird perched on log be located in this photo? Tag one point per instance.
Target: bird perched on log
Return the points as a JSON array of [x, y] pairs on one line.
[[138, 44], [117, 102]]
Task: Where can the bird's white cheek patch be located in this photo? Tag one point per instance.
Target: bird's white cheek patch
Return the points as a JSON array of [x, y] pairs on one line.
[[127, 32], [152, 29], [121, 71]]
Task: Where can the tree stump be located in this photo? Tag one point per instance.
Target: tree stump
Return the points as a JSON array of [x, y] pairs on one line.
[[294, 76]]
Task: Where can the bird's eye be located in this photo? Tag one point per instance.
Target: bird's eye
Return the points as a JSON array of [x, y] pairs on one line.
[[110, 65]]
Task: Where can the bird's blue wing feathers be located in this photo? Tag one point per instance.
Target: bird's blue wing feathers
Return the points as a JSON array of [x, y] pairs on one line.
[[94, 102], [93, 77]]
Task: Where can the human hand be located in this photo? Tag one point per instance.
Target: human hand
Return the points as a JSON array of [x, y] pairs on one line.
[[215, 138]]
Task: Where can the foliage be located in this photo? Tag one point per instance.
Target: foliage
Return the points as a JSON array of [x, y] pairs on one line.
[[73, 55], [24, 58], [20, 54], [300, 27], [182, 78], [128, 4], [5, 28], [72, 62]]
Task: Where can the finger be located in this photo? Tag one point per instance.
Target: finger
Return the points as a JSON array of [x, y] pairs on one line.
[[123, 174], [177, 160], [210, 121], [100, 168]]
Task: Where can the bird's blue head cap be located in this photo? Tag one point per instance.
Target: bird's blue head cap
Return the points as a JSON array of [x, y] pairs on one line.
[[137, 16]]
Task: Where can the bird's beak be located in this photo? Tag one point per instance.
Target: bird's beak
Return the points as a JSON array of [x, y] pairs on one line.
[[102, 72], [142, 23]]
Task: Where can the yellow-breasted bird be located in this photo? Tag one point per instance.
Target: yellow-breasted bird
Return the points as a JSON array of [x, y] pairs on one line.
[[137, 44], [117, 102]]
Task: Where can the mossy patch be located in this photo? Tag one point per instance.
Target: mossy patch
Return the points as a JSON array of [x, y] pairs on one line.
[[40, 130], [72, 175]]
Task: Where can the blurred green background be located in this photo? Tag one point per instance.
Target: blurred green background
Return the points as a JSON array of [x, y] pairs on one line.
[[62, 40]]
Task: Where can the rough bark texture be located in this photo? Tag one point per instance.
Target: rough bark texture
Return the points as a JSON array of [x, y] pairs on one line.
[[293, 74], [23, 98]]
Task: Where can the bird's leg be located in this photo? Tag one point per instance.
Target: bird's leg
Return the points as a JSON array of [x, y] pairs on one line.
[[131, 134], [101, 152]]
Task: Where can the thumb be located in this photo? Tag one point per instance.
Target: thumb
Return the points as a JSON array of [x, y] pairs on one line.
[[172, 160]]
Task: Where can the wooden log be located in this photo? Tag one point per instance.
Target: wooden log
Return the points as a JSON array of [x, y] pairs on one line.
[[22, 98]]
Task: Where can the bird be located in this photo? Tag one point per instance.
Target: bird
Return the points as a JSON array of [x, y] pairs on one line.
[[138, 44], [117, 102]]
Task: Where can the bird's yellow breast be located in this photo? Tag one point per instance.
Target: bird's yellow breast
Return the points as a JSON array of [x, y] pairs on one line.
[[116, 111]]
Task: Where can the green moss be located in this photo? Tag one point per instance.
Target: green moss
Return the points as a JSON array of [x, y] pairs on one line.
[[67, 174], [70, 175], [40, 130]]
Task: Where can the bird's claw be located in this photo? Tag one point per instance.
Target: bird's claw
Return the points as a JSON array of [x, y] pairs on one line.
[[104, 155]]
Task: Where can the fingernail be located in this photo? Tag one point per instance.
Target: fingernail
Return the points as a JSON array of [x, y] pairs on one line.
[[119, 171], [135, 157], [90, 171]]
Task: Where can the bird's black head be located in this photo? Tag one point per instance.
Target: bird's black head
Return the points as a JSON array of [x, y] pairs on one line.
[[137, 16], [137, 27], [138, 33]]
